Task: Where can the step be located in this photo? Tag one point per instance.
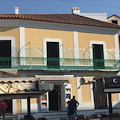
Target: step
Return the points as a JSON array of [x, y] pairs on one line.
[[9, 118]]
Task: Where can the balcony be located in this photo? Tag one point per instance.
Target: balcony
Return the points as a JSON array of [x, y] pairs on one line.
[[37, 63]]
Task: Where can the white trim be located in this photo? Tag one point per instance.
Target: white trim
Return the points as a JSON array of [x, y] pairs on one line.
[[100, 43], [58, 26], [116, 41], [118, 96], [47, 101], [22, 41], [45, 40], [14, 110], [79, 96], [91, 93], [75, 38], [76, 51], [22, 44], [24, 105]]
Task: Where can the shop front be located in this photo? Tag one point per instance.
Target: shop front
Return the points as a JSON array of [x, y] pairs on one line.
[[56, 99], [111, 85], [13, 89]]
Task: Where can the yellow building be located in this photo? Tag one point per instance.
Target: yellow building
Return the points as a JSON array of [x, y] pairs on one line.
[[115, 19], [70, 51]]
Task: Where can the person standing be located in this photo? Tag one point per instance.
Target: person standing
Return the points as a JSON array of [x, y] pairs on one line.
[[70, 111], [3, 106], [75, 103]]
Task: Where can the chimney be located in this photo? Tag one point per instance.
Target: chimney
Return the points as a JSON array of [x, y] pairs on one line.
[[75, 10], [16, 10]]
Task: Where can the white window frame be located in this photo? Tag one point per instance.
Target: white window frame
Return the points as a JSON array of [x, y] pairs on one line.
[[99, 43], [12, 44], [45, 48], [12, 39]]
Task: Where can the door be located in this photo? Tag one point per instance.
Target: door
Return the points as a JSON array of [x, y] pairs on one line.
[[53, 54], [55, 99], [98, 56], [100, 98], [9, 106], [5, 53]]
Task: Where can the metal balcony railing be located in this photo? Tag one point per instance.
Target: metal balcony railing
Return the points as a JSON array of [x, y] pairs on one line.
[[37, 63]]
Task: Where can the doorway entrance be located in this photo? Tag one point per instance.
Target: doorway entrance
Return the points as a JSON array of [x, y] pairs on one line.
[[53, 54], [9, 106], [100, 97], [55, 99], [5, 51], [98, 56]]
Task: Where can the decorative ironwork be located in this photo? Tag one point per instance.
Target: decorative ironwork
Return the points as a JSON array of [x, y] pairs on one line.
[[35, 63]]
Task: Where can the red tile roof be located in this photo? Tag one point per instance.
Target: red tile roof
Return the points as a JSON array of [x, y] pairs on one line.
[[60, 18]]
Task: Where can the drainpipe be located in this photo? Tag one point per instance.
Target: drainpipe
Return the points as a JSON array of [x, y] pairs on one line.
[[28, 106], [110, 104]]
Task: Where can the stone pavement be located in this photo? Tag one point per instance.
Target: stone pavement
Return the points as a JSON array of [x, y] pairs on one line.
[[57, 119], [15, 118]]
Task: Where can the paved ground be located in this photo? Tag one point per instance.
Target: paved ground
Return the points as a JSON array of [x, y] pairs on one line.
[[13, 118]]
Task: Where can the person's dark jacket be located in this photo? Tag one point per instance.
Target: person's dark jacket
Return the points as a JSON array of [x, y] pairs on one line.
[[75, 102], [70, 109]]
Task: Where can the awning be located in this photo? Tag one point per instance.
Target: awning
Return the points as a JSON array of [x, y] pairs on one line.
[[54, 77], [22, 87], [18, 79], [23, 90], [11, 71]]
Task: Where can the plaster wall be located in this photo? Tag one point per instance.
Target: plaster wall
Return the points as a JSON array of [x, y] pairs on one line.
[[10, 32], [85, 38]]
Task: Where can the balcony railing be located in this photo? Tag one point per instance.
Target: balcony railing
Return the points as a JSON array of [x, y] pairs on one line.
[[36, 63]]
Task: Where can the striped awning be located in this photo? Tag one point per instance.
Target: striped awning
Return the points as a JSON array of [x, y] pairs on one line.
[[23, 90], [22, 87], [16, 88]]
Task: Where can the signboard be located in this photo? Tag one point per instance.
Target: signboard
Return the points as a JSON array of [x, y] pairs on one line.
[[112, 84]]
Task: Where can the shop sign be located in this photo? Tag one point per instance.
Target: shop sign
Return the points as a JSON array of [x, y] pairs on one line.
[[112, 84]]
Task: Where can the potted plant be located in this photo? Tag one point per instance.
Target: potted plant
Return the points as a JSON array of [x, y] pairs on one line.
[[42, 118]]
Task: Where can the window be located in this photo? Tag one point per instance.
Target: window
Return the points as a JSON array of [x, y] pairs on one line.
[[115, 21], [98, 56]]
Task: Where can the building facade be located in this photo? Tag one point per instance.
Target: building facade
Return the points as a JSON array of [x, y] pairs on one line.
[[70, 51]]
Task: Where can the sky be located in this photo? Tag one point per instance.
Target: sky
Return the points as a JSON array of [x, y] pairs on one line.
[[60, 6]]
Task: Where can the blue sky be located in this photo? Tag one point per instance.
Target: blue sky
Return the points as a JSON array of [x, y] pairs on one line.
[[60, 6]]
